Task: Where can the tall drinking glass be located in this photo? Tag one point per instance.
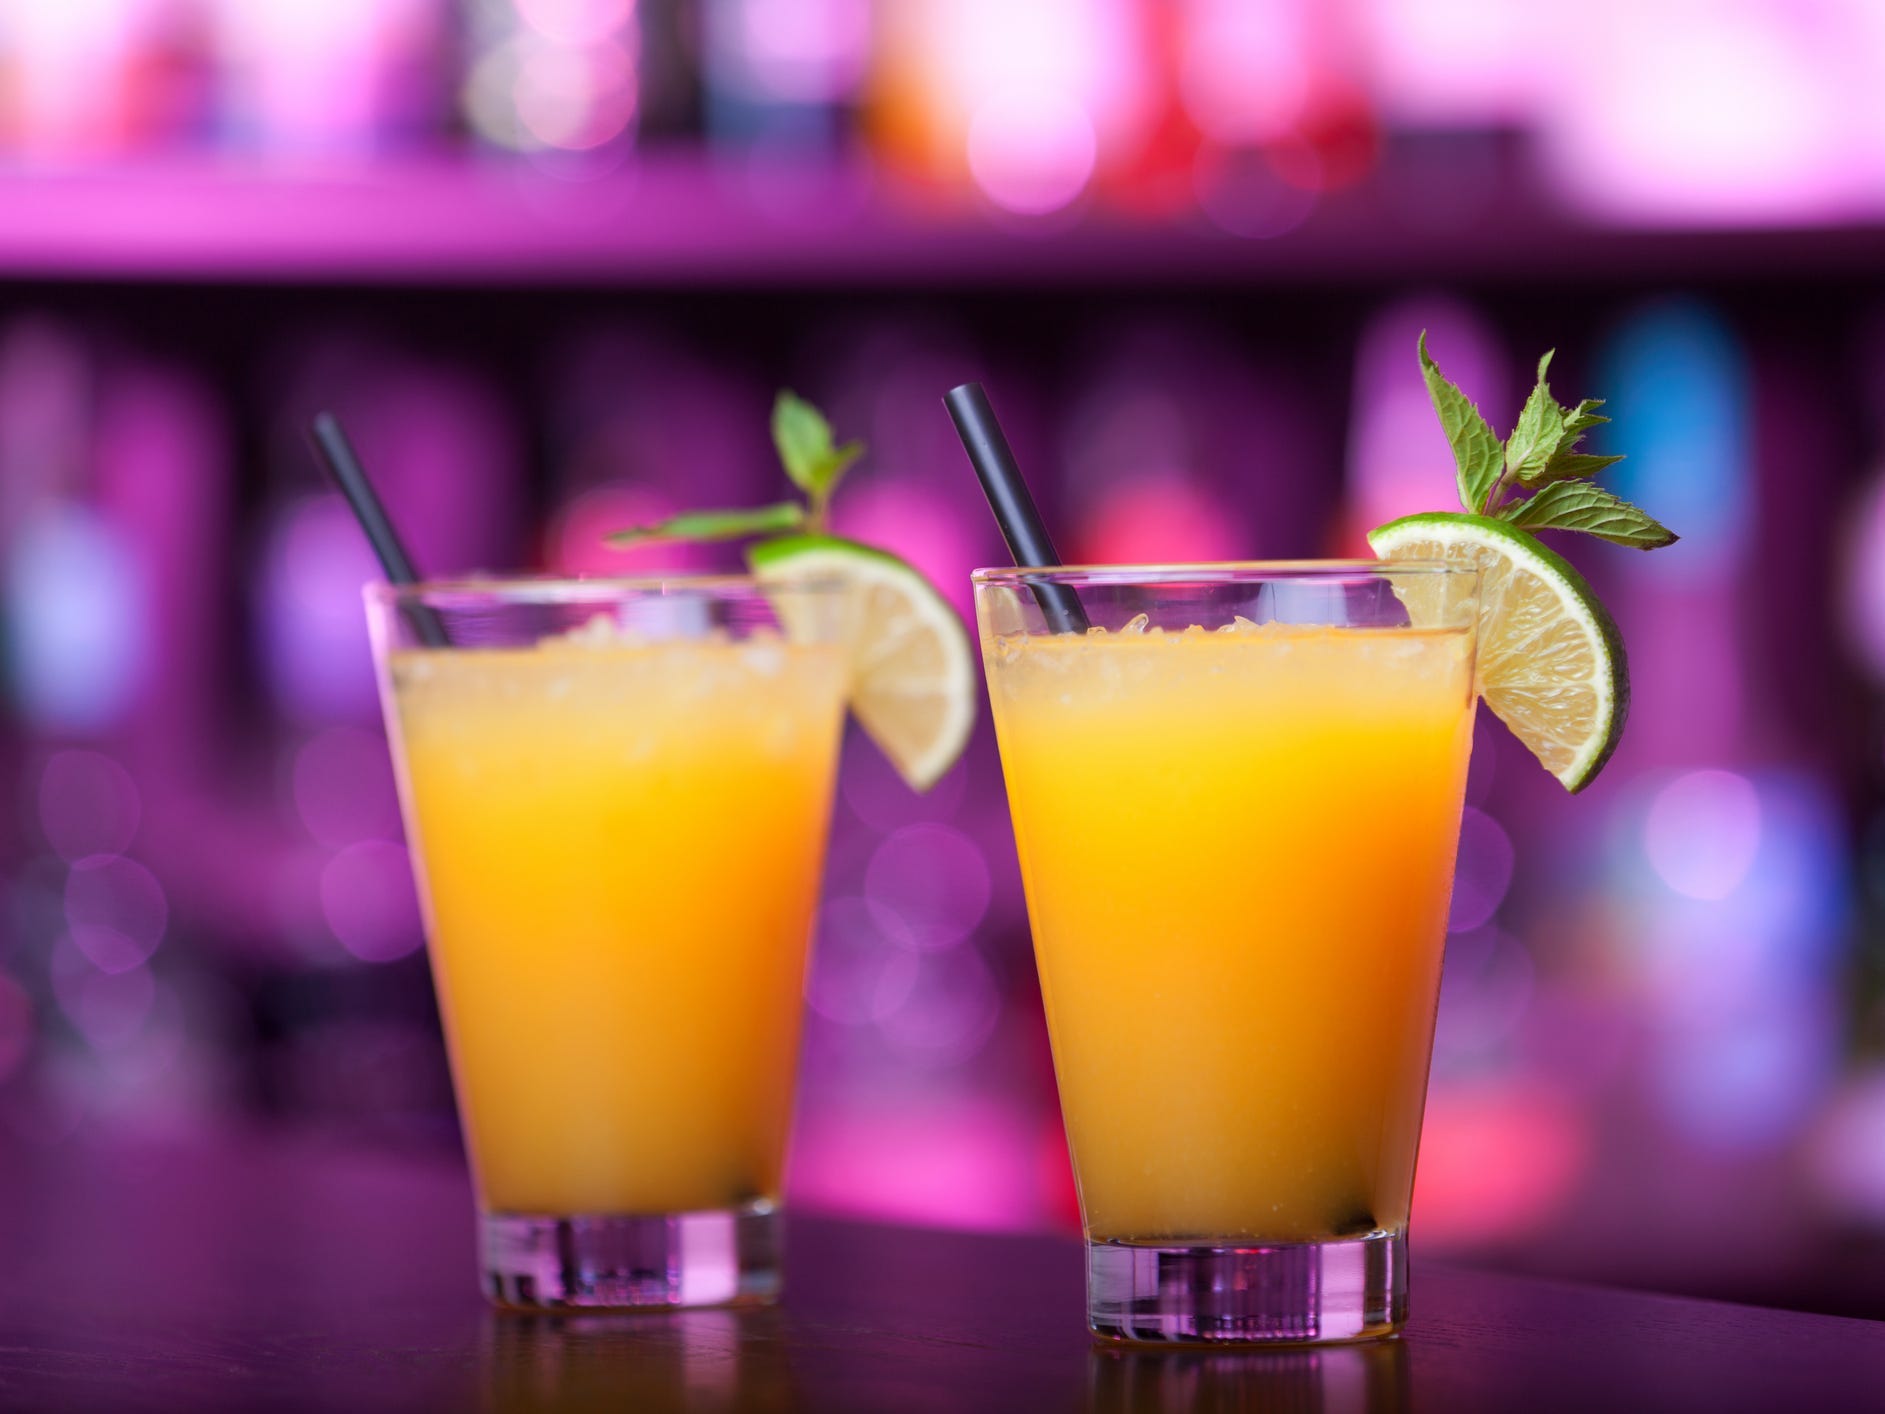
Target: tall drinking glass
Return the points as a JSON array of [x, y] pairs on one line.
[[617, 794], [1237, 802]]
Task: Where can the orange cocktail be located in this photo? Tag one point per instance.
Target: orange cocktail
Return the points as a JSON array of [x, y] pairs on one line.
[[619, 834], [1237, 831]]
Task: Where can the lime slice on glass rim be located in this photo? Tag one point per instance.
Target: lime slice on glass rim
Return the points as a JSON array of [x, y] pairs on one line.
[[913, 678], [1551, 662]]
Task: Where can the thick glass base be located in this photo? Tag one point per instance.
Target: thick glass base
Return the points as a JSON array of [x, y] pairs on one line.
[[1343, 1289], [716, 1258]]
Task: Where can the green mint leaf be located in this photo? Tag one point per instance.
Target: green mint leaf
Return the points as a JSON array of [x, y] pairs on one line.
[[1570, 505], [703, 526], [1562, 461], [835, 467], [803, 438], [1528, 451], [1573, 466], [1583, 417], [1477, 455]]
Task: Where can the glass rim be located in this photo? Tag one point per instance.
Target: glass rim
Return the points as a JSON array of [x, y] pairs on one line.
[[578, 589], [1216, 571]]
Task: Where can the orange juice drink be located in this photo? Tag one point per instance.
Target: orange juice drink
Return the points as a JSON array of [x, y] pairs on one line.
[[1237, 844], [619, 842]]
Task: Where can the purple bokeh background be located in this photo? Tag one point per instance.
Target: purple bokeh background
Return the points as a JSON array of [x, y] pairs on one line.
[[549, 259]]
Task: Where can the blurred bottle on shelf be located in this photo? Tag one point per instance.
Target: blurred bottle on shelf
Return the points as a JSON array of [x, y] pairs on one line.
[[98, 80], [1768, 114], [119, 79], [1286, 82], [1024, 104], [340, 78], [1248, 113], [783, 77], [669, 109], [557, 79]]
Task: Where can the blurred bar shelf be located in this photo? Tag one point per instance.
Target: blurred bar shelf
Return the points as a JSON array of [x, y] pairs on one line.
[[681, 221]]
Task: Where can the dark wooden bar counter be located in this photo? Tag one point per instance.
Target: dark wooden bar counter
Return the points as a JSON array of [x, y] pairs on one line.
[[295, 1276]]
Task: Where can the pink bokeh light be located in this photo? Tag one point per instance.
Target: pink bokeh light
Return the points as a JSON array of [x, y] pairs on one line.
[[1484, 871], [343, 787], [64, 58], [1746, 1074], [1497, 1160], [1243, 67], [929, 885], [806, 52], [862, 969], [1862, 553], [925, 525], [950, 1013], [79, 645], [877, 795], [575, 21], [369, 901], [1032, 153], [1846, 1155], [1484, 994], [1244, 194], [315, 78], [1461, 64], [1034, 99], [115, 911], [575, 99], [1156, 519], [954, 1163], [88, 805], [1748, 119], [1702, 833], [110, 1009], [313, 630]]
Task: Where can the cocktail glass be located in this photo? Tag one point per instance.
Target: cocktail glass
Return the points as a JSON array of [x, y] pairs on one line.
[[617, 795], [1237, 802]]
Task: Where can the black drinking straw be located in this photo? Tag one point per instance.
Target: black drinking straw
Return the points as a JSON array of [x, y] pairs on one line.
[[1008, 498], [336, 454]]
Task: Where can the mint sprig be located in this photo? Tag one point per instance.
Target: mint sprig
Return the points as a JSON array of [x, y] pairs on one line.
[[1574, 505], [1476, 450], [703, 527], [803, 438], [812, 462], [1541, 458]]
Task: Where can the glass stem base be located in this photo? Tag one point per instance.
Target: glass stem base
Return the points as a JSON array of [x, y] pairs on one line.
[[720, 1257], [1343, 1289]]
